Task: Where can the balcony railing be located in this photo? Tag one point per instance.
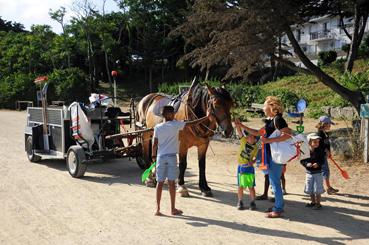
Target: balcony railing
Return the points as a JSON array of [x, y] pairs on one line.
[[320, 35]]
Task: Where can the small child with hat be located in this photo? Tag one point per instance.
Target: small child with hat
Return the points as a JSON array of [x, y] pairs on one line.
[[323, 127], [314, 178]]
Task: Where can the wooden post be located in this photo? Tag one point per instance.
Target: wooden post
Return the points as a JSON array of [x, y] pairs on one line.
[[364, 114], [366, 140]]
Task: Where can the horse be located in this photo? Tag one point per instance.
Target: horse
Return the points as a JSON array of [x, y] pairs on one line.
[[193, 104]]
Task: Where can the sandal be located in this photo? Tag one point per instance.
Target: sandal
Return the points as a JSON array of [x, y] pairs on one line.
[[262, 197], [317, 207], [274, 215], [310, 205]]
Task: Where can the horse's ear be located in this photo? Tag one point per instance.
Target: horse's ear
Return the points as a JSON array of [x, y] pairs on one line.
[[193, 85], [211, 90]]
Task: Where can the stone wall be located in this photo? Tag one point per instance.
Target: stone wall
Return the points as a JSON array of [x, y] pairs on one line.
[[340, 112]]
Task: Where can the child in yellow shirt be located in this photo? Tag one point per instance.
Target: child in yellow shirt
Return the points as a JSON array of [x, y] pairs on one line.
[[245, 171]]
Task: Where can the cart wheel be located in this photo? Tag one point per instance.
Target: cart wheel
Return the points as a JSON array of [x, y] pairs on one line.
[[75, 161], [30, 152], [142, 163]]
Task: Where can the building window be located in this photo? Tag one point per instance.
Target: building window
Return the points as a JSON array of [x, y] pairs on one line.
[[325, 27], [298, 35]]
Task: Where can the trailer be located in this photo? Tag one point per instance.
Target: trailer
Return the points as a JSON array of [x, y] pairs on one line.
[[82, 135]]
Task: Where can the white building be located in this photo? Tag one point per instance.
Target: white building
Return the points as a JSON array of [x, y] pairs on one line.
[[323, 34]]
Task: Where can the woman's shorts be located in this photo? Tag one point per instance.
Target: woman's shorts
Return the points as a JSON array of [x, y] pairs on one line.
[[314, 184], [245, 175]]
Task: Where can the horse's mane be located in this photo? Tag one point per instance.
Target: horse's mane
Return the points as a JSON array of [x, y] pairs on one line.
[[200, 98]]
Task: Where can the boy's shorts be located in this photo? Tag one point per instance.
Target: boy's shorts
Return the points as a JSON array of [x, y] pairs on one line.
[[166, 167], [314, 184], [245, 175]]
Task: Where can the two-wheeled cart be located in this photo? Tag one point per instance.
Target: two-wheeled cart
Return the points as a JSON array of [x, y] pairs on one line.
[[82, 135]]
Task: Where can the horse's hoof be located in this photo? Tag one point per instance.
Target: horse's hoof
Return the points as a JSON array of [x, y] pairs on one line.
[[183, 191], [207, 193]]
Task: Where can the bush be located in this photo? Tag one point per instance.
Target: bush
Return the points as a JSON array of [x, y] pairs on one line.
[[17, 86], [70, 85], [364, 47], [288, 98], [345, 48], [327, 57], [244, 94], [358, 81], [173, 88]]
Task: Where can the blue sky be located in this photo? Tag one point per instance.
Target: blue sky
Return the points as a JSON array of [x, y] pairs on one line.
[[29, 12]]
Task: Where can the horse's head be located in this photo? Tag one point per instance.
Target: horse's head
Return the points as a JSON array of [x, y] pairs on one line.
[[220, 103]]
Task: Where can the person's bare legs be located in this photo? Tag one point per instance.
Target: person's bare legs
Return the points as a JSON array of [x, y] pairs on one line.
[[317, 199], [327, 183], [240, 193], [312, 198], [252, 194], [159, 190], [172, 193], [283, 180], [264, 196]]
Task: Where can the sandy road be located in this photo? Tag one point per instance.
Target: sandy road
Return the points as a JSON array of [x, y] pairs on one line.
[[43, 204]]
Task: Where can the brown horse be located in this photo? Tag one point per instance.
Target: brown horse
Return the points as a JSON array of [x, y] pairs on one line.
[[194, 104]]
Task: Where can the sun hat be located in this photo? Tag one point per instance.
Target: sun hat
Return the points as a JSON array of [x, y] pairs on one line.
[[326, 119], [313, 136]]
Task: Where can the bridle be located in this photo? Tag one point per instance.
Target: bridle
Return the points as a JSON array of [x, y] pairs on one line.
[[210, 105], [212, 111]]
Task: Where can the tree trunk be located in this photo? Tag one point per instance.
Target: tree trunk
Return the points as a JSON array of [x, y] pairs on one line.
[[108, 72], [354, 46], [354, 97]]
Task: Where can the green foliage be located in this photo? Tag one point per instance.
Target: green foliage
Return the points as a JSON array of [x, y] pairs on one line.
[[364, 47], [356, 81], [244, 94], [338, 65], [17, 86], [69, 85], [327, 57], [345, 48]]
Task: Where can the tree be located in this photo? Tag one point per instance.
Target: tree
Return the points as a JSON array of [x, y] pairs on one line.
[[10, 26], [359, 10], [241, 34], [150, 23]]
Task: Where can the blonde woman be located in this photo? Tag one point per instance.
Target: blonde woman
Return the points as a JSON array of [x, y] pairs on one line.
[[273, 110]]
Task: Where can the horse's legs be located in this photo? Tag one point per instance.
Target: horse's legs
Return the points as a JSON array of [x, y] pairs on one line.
[[182, 169], [203, 184]]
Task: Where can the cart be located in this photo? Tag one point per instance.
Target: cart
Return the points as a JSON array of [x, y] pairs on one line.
[[83, 135]]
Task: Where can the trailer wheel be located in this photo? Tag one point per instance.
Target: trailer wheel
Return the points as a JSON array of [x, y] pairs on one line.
[[75, 161], [32, 157], [142, 163]]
